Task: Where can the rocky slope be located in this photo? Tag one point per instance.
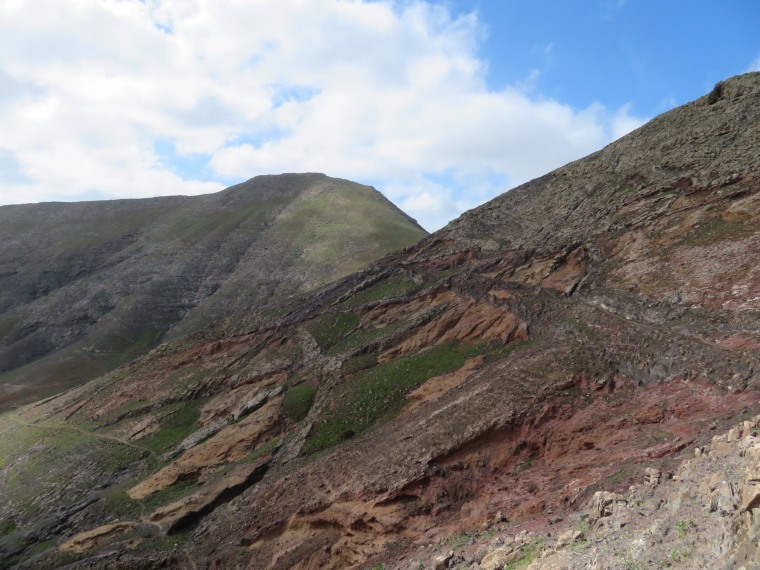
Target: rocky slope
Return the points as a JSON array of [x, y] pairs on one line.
[[85, 287], [702, 514], [557, 342]]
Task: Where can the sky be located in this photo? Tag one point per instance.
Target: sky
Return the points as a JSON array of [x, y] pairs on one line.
[[440, 105]]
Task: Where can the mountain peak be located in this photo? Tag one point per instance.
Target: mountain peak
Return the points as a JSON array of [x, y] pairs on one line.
[[87, 287], [534, 369]]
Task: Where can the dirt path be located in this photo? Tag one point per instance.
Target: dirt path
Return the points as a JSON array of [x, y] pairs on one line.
[[59, 426]]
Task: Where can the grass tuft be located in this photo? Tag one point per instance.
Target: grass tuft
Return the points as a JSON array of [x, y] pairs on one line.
[[379, 393], [328, 329], [298, 401]]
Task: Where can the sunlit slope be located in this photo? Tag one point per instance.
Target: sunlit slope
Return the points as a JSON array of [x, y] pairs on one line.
[[85, 287]]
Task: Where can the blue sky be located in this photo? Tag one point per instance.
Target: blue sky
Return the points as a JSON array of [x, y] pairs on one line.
[[649, 53], [441, 105]]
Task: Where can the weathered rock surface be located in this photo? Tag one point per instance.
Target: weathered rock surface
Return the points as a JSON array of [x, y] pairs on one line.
[[571, 341], [693, 518], [232, 443], [92, 538]]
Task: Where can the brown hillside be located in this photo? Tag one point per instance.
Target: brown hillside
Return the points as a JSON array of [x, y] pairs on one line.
[[560, 340]]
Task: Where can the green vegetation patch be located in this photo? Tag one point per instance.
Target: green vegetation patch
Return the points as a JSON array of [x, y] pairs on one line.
[[529, 553], [7, 527], [64, 369], [583, 327], [398, 286], [330, 328], [54, 560], [320, 221], [40, 547], [31, 475], [499, 353], [361, 337], [449, 272], [114, 457], [119, 505], [15, 440], [179, 420], [132, 404], [218, 224], [359, 363], [101, 231], [260, 451], [175, 492], [717, 230], [298, 401], [6, 327], [378, 394], [147, 339], [685, 526], [164, 543], [527, 464]]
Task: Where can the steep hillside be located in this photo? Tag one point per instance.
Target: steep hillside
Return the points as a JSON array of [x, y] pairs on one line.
[[85, 287], [483, 384]]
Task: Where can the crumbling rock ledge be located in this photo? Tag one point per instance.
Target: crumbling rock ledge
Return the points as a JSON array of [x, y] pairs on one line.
[[703, 514]]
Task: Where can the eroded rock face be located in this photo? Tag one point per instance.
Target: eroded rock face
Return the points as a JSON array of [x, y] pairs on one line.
[[92, 538], [691, 517], [524, 368], [232, 443]]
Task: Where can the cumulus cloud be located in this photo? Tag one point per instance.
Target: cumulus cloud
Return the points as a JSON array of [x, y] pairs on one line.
[[754, 66], [125, 98]]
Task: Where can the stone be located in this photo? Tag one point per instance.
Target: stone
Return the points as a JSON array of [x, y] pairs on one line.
[[652, 477], [231, 443], [727, 497], [345, 507], [603, 505], [750, 496], [553, 562], [500, 557], [441, 562], [568, 538], [87, 540], [578, 515], [175, 515]]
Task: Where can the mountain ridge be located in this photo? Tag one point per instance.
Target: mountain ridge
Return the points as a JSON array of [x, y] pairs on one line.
[[114, 277], [554, 343]]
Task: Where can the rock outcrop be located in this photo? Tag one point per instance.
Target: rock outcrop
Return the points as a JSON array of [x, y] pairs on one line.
[[703, 514], [520, 383]]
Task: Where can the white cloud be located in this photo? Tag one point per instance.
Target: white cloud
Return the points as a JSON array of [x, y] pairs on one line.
[[754, 66], [623, 122], [667, 103], [391, 93]]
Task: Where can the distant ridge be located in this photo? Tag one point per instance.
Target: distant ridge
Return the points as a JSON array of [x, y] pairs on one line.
[[87, 286]]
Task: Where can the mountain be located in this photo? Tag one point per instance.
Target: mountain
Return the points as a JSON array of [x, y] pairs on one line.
[[538, 367], [86, 287]]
